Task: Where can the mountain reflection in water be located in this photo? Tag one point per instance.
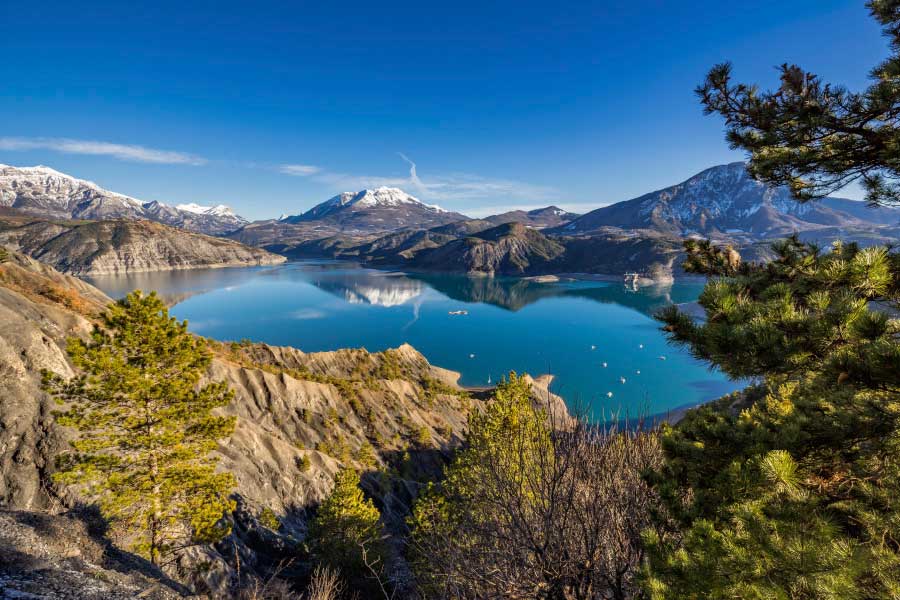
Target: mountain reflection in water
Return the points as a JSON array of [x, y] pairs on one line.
[[589, 334]]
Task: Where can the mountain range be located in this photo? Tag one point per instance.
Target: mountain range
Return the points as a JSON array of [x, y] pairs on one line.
[[725, 201], [388, 227], [44, 192]]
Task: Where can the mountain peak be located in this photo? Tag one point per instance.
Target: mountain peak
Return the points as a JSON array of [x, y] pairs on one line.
[[380, 197], [374, 209], [388, 196], [217, 210]]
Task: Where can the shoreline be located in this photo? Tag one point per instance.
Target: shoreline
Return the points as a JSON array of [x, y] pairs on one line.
[[541, 278]]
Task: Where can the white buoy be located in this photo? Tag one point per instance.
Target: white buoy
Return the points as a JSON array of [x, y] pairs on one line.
[[604, 365], [609, 394]]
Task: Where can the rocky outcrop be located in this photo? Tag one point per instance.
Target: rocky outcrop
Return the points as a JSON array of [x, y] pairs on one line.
[[62, 557], [39, 308], [124, 246], [509, 249]]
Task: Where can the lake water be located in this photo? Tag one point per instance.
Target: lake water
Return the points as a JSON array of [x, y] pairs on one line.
[[569, 329]]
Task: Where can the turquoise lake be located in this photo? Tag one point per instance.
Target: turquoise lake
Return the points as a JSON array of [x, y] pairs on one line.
[[569, 329]]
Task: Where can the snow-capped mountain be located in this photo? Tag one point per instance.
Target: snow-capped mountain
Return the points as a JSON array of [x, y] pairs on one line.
[[45, 192], [219, 210], [381, 209], [725, 199]]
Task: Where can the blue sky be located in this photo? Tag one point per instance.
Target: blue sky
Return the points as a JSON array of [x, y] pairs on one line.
[[274, 107]]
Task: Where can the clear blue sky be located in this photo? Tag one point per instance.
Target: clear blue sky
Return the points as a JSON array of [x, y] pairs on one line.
[[273, 107]]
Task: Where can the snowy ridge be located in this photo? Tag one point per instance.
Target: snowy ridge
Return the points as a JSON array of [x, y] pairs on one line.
[[46, 192], [382, 196], [218, 210], [53, 179], [726, 199]]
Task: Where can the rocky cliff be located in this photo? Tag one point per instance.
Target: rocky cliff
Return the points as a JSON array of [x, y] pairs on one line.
[[124, 246]]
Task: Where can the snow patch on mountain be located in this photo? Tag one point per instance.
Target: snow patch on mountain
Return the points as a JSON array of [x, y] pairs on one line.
[[379, 197], [219, 210]]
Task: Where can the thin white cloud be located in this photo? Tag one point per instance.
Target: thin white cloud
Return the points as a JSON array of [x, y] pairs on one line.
[[126, 152], [454, 188], [413, 176], [299, 170]]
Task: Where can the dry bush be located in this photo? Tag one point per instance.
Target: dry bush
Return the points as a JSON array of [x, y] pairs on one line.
[[566, 525], [270, 589], [325, 584]]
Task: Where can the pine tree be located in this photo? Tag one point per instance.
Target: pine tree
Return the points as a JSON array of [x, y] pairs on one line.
[[790, 489], [145, 431], [347, 534], [816, 137]]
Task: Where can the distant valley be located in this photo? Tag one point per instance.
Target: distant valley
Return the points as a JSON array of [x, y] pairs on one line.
[[387, 227]]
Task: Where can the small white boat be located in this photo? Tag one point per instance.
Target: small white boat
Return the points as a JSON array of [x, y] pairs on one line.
[[662, 357], [638, 372], [593, 347], [621, 380], [604, 365], [609, 394], [471, 356], [458, 312], [641, 346]]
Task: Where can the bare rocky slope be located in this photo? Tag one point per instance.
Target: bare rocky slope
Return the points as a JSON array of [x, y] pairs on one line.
[[124, 246], [300, 417]]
